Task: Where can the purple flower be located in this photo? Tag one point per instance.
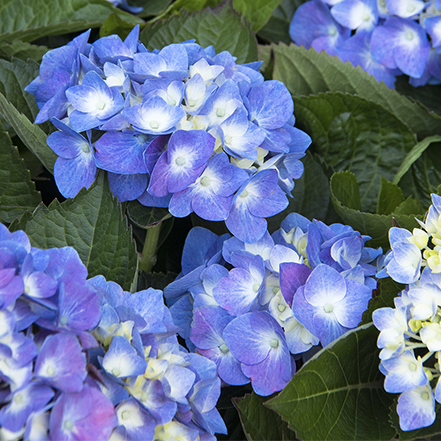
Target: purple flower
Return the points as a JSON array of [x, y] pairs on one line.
[[328, 304], [261, 197], [182, 163], [61, 363], [210, 196], [401, 43], [94, 102], [258, 342], [87, 414], [75, 166]]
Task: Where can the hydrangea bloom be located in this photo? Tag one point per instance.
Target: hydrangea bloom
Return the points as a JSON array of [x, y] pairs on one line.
[[386, 38], [82, 359], [254, 308], [182, 127], [410, 333]]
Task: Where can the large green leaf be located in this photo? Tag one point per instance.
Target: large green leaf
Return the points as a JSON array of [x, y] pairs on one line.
[[414, 155], [338, 394], [259, 422], [93, 224], [31, 135], [424, 176], [257, 12], [23, 50], [345, 198], [221, 27], [429, 95], [14, 77], [306, 72], [17, 191], [28, 20], [355, 134], [277, 28]]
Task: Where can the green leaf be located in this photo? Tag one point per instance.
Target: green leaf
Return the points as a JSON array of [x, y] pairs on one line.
[[354, 134], [414, 155], [382, 297], [20, 49], [257, 12], [389, 198], [155, 280], [344, 187], [151, 7], [338, 394], [221, 27], [277, 28], [31, 135], [116, 25], [306, 72], [259, 422], [424, 175], [28, 20], [429, 95], [93, 224], [146, 217], [14, 77], [311, 195], [426, 433], [17, 191]]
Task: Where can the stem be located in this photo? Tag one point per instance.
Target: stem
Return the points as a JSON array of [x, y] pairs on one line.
[[147, 258]]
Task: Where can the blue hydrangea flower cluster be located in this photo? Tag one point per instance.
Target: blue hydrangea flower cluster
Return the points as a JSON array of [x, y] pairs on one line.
[[255, 308], [410, 333], [385, 37], [82, 359], [183, 128]]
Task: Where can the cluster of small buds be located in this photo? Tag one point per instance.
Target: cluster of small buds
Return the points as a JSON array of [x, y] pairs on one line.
[[82, 359], [410, 333], [255, 308], [184, 128], [385, 37]]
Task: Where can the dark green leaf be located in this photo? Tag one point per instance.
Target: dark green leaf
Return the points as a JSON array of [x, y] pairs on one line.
[[22, 50], [432, 432], [28, 20], [257, 12], [31, 135], [346, 190], [93, 224], [338, 394], [116, 25], [414, 155], [311, 195], [14, 77], [354, 134], [382, 297], [17, 191], [389, 198], [259, 422], [277, 28], [343, 192], [307, 72], [221, 27], [155, 280], [151, 7], [429, 95], [146, 217], [424, 175]]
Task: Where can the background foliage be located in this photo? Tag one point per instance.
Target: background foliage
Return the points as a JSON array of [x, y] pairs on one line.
[[373, 163]]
